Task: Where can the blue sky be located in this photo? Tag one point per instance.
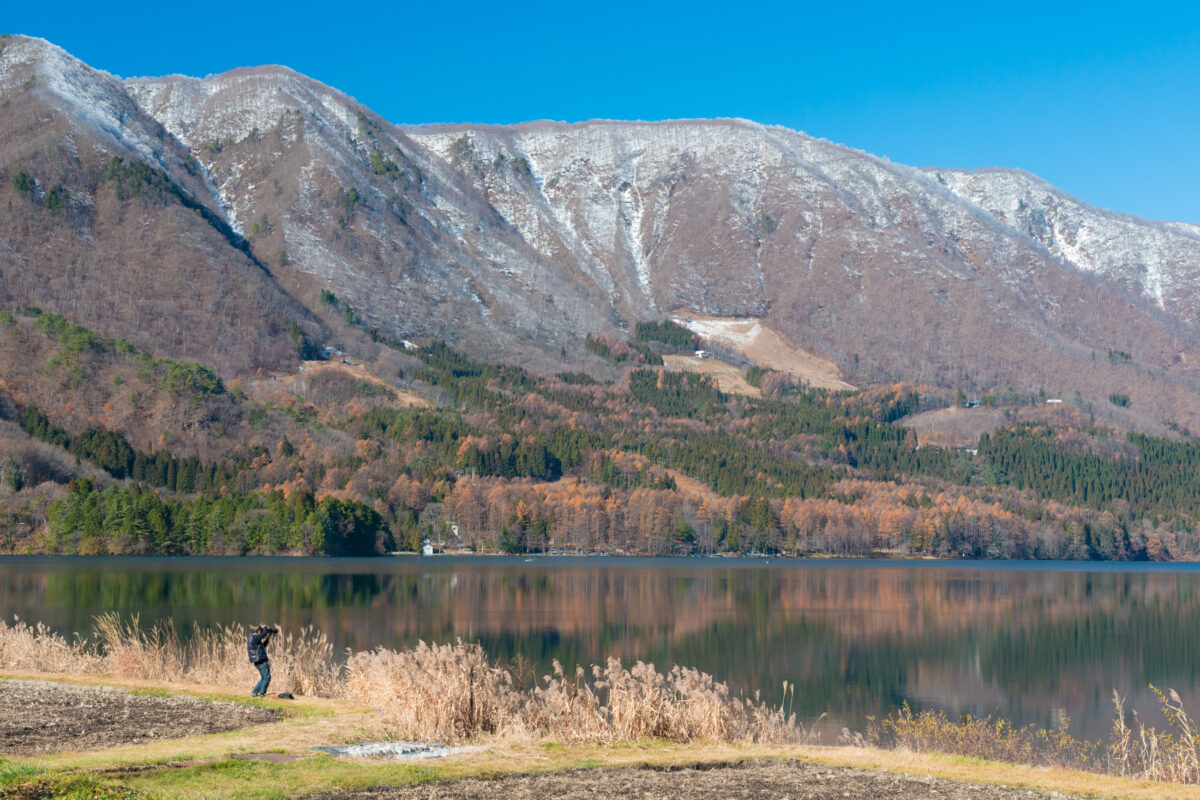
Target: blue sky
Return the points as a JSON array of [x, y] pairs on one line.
[[1101, 100]]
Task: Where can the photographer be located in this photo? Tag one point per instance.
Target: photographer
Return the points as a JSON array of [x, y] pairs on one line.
[[256, 647]]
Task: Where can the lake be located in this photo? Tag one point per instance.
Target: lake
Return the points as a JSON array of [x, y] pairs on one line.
[[1022, 640]]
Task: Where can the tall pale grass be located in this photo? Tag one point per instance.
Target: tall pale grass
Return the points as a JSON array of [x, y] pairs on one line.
[[36, 648], [452, 693], [620, 704], [1137, 751], [446, 693], [301, 663], [1171, 755]]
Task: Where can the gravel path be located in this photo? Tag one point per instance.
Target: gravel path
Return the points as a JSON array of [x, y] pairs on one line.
[[47, 718], [778, 780]]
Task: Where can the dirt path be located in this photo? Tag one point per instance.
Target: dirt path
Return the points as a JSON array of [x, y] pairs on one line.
[[784, 780], [47, 717]]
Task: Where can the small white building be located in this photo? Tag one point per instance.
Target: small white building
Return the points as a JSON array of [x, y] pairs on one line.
[[703, 354], [426, 547], [1053, 401]]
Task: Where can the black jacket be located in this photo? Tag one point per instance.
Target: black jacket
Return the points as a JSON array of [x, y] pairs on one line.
[[256, 647]]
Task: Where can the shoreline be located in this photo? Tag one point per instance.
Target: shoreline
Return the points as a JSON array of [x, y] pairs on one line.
[[214, 765], [634, 560]]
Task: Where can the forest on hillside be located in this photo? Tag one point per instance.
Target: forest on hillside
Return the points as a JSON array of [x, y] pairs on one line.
[[494, 457]]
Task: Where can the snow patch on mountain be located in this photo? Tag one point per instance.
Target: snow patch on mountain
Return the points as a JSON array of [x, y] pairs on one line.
[[84, 95], [741, 333], [1161, 259]]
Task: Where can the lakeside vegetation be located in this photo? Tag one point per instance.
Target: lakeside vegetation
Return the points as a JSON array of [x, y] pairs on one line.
[[657, 462], [448, 693], [453, 693]]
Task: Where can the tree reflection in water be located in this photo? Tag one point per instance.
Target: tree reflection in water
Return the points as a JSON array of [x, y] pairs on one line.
[[1024, 641]]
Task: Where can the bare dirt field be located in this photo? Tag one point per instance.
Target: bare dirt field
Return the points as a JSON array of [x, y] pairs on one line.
[[962, 427], [954, 427], [765, 347], [282, 387], [40, 717], [728, 377], [794, 780]]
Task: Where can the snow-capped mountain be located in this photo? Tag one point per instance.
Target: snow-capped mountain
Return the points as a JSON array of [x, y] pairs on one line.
[[891, 271], [339, 199], [1159, 260], [110, 220], [515, 242]]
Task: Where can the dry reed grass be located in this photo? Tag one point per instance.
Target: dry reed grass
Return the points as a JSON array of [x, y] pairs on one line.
[[445, 693], [1141, 752], [452, 693], [29, 648], [301, 663], [1171, 755]]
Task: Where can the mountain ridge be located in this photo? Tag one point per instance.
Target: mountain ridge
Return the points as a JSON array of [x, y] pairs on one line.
[[516, 241]]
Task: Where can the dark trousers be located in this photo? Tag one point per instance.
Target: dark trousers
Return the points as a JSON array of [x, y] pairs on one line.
[[260, 688]]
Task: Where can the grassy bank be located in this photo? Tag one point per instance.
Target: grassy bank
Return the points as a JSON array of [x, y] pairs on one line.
[[447, 693], [208, 766], [610, 716]]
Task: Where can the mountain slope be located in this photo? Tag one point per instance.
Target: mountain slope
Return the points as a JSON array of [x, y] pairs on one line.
[[341, 200], [1158, 260], [111, 221], [515, 242], [878, 266]]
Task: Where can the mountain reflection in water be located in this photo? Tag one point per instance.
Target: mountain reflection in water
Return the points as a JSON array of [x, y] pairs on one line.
[[1024, 641]]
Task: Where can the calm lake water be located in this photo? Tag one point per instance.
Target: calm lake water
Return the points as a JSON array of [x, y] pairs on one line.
[[1022, 640]]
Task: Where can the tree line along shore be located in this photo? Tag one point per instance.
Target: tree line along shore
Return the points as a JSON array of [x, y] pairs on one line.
[[138, 455]]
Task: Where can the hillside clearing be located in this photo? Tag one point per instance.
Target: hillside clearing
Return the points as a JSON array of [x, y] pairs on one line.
[[729, 378], [954, 427], [280, 388], [962, 427], [765, 347]]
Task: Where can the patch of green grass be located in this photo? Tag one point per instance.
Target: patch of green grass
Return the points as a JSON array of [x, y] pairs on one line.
[[237, 767], [16, 771], [244, 779], [286, 708], [73, 788], [151, 692]]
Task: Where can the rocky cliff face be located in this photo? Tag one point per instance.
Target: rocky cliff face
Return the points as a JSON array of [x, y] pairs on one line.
[[515, 242]]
